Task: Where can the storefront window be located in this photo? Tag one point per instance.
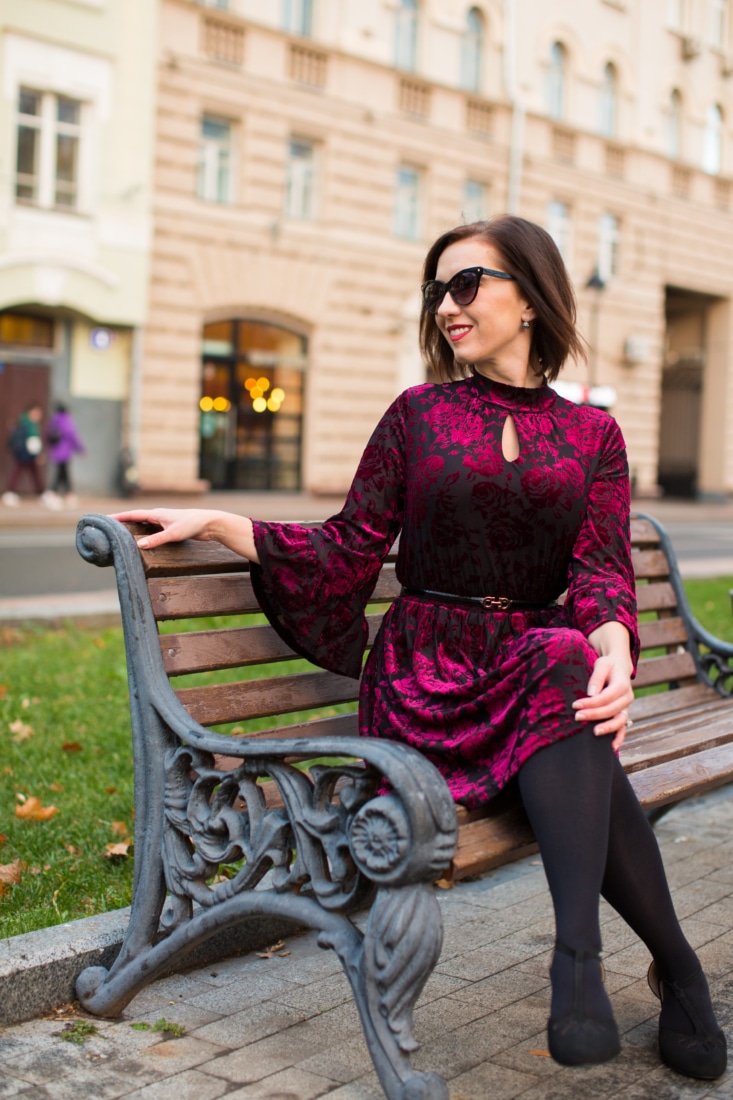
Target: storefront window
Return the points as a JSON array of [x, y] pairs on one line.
[[252, 406]]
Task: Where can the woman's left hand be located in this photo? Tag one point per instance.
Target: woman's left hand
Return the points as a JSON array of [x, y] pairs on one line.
[[609, 689]]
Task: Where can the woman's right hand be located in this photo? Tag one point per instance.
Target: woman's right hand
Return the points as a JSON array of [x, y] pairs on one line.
[[202, 524]]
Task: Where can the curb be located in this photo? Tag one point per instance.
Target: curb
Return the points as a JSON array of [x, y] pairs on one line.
[[38, 970]]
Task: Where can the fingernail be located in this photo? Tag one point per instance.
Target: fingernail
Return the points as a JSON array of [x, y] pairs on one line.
[[143, 543], [593, 690]]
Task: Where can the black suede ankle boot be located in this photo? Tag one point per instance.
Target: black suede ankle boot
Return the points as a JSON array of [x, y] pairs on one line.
[[581, 1029], [690, 1040]]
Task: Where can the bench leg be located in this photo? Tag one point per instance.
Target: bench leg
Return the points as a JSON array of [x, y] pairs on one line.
[[400, 948]]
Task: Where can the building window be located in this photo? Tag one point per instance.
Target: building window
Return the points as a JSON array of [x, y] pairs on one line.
[[471, 51], [222, 4], [407, 203], [406, 35], [555, 90], [608, 246], [300, 198], [47, 160], [718, 23], [674, 126], [215, 160], [298, 17], [675, 14], [558, 226], [607, 102], [475, 201], [712, 150]]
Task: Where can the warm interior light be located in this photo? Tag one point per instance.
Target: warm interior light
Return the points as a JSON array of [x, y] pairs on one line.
[[273, 405], [256, 392], [278, 395], [249, 384], [263, 384], [259, 404], [221, 404], [206, 404]]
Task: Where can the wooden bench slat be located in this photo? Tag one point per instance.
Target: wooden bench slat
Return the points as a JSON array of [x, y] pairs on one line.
[[675, 779], [643, 531], [650, 563], [491, 842], [661, 670], [191, 597], [707, 710], [234, 702], [238, 647], [662, 632], [333, 725], [659, 596], [667, 701], [676, 741]]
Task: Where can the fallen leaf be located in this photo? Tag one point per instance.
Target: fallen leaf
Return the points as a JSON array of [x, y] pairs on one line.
[[21, 730], [55, 787], [10, 873], [71, 746], [99, 643], [3, 838], [7, 770], [540, 1053], [444, 884], [33, 810], [25, 703], [110, 790], [112, 851], [72, 850], [119, 828], [3, 690], [275, 950]]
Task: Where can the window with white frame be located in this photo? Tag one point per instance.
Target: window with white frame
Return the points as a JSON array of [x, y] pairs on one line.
[[712, 142], [475, 201], [472, 48], [558, 226], [408, 196], [215, 160], [718, 23], [674, 125], [676, 14], [608, 102], [300, 194], [406, 21], [49, 135], [609, 237], [556, 76], [298, 17]]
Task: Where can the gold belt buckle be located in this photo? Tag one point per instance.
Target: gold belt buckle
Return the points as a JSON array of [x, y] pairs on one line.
[[496, 603]]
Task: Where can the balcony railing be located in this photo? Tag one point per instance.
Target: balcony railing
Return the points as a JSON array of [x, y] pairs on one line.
[[308, 65], [615, 161], [681, 181], [222, 40], [563, 144], [479, 118], [414, 97]]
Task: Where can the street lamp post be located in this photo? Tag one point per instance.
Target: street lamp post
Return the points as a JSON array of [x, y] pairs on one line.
[[597, 285]]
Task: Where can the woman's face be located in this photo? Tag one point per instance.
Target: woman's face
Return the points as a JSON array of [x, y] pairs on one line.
[[488, 333]]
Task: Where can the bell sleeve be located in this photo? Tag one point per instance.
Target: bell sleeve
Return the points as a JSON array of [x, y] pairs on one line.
[[313, 583], [601, 583]]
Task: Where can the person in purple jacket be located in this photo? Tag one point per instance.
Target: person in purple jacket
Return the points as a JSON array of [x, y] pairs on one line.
[[62, 439]]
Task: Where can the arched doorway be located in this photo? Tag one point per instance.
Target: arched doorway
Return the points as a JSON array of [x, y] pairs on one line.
[[252, 405]]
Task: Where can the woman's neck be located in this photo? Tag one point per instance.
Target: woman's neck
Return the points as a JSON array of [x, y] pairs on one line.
[[520, 375]]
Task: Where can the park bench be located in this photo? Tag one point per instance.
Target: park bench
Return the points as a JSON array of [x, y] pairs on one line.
[[294, 820]]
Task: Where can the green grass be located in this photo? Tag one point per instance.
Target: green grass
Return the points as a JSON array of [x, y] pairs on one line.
[[70, 687]]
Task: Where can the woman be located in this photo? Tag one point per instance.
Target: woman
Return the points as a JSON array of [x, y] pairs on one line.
[[26, 447], [63, 442], [505, 495]]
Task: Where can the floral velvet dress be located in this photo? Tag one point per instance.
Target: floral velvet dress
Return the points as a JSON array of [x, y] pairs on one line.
[[476, 691]]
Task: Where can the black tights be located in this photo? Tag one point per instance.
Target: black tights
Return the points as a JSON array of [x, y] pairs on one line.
[[595, 839]]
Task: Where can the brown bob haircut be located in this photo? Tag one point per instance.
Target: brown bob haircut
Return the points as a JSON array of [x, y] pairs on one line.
[[528, 253]]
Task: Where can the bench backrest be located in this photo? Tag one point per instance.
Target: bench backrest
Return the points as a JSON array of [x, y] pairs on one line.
[[200, 579]]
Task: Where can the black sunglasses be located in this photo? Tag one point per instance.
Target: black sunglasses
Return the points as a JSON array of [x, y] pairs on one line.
[[463, 287]]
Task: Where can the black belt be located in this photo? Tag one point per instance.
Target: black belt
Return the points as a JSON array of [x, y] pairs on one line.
[[488, 603]]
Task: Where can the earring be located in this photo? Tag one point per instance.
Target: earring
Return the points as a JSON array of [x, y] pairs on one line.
[[525, 324]]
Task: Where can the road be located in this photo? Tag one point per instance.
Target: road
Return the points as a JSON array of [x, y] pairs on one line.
[[36, 561]]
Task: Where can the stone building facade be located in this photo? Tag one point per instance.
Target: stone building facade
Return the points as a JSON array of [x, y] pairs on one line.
[[76, 158], [308, 151]]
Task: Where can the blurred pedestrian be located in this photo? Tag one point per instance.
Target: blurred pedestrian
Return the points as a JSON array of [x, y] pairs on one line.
[[26, 447], [62, 439]]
